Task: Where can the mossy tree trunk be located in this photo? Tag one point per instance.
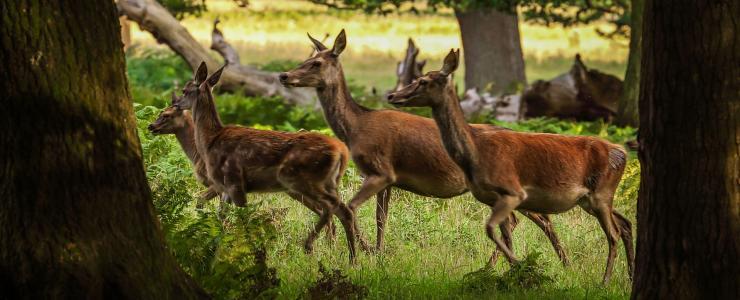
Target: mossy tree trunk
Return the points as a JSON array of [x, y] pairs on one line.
[[627, 113], [688, 211], [76, 217]]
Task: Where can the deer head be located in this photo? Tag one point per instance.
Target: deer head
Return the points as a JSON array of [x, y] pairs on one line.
[[427, 90], [319, 70], [199, 86], [170, 120]]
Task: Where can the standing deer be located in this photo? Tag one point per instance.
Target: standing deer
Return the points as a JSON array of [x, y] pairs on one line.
[[390, 148], [174, 120], [508, 170], [239, 160]]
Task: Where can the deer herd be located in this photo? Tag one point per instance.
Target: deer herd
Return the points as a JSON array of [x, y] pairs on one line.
[[534, 174]]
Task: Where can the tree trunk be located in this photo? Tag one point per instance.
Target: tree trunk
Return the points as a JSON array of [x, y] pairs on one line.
[[153, 17], [689, 202], [76, 217], [627, 114], [492, 50]]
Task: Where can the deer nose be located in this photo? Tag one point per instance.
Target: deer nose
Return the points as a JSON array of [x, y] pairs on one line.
[[283, 76], [390, 97]]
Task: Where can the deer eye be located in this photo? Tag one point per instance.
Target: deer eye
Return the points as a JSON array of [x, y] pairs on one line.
[[423, 82]]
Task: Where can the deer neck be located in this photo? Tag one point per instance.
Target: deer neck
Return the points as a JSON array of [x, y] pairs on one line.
[[186, 137], [340, 110], [206, 120], [456, 134]]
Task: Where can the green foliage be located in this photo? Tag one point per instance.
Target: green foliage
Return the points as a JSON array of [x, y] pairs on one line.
[[182, 8], [225, 255], [153, 74], [563, 12], [523, 275]]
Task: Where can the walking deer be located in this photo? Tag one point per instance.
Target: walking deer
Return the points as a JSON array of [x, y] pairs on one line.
[[508, 170], [174, 120], [239, 160], [390, 148]]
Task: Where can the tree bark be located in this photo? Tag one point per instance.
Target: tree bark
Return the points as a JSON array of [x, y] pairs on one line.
[[153, 17], [76, 217], [627, 114], [492, 48], [689, 202]]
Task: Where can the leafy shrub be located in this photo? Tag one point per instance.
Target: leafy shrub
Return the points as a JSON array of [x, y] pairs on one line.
[[526, 274], [225, 255], [335, 285]]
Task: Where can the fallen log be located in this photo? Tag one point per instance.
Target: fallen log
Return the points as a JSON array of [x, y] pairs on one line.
[[157, 20]]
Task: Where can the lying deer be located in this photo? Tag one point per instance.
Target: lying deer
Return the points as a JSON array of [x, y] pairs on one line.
[[240, 160], [174, 120], [540, 173], [389, 147]]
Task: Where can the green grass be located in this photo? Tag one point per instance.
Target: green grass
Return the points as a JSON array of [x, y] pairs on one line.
[[431, 244]]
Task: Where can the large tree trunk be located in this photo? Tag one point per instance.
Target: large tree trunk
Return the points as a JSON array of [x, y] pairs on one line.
[[627, 113], [492, 50], [153, 17], [76, 217], [689, 203]]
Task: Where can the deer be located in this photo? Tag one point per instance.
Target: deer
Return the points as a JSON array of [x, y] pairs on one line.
[[174, 120], [389, 147], [238, 160], [534, 172]]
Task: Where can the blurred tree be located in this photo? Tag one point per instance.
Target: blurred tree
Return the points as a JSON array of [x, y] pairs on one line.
[[688, 209], [76, 213]]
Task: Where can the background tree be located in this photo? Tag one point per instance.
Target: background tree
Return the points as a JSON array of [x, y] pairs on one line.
[[491, 43], [75, 209], [688, 211]]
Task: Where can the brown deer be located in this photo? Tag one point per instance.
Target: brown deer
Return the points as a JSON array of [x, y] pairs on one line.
[[390, 148], [174, 120], [240, 160], [538, 173]]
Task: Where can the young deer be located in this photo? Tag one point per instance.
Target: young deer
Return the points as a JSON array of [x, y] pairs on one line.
[[239, 160], [508, 170], [174, 120], [390, 148]]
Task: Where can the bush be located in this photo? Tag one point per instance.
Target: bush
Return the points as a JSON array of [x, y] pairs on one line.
[[224, 255]]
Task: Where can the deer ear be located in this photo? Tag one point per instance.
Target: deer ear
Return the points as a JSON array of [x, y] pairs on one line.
[[339, 43], [451, 62], [213, 79], [201, 73], [579, 71], [316, 44], [174, 98]]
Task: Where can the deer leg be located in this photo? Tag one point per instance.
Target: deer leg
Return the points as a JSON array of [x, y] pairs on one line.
[[506, 227], [346, 216], [604, 215], [381, 216], [625, 231], [236, 195], [317, 209], [500, 211], [544, 222], [370, 186], [324, 217]]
